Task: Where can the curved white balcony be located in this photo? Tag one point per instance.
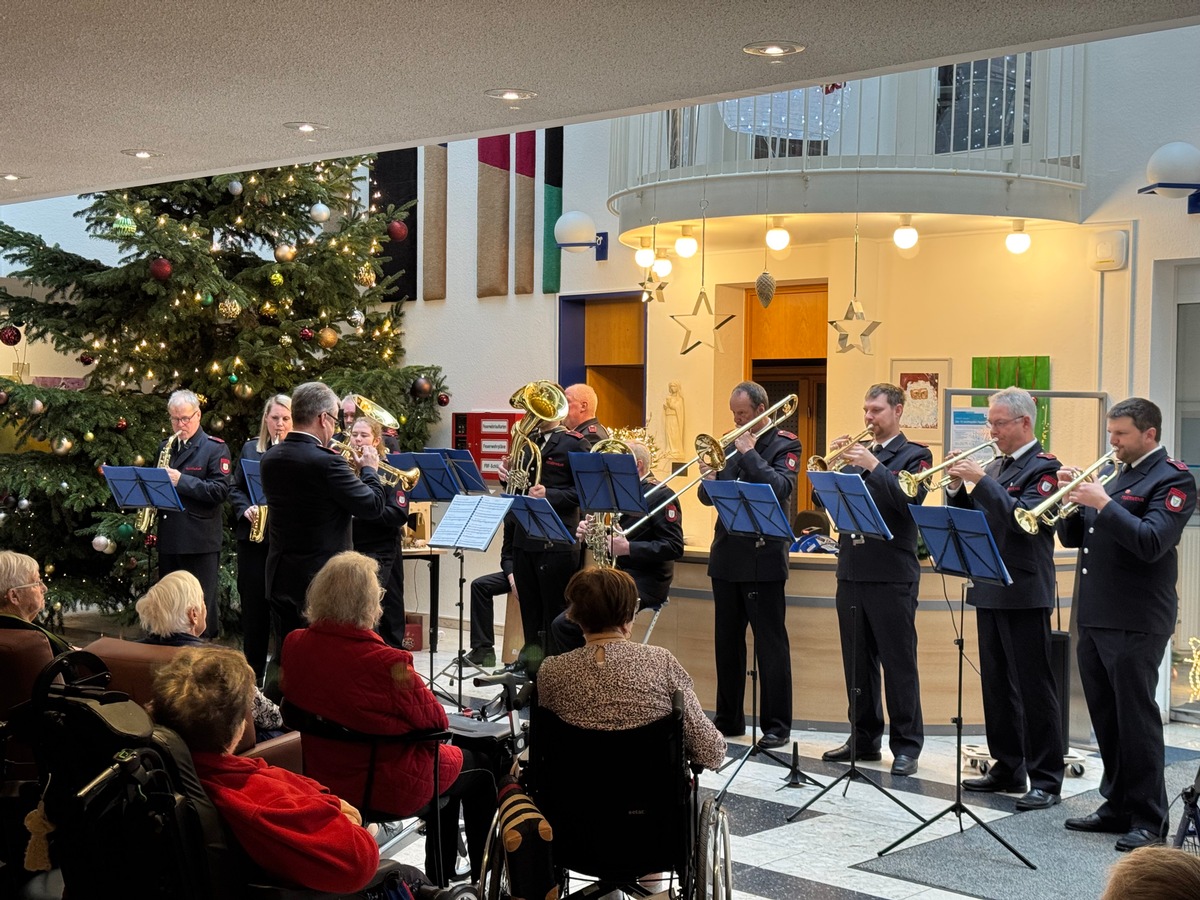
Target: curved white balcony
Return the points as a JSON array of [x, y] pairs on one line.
[[1000, 137]]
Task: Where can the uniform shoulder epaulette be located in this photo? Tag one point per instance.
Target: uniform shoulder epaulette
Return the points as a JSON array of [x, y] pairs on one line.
[[327, 449], [575, 434], [216, 439], [1046, 455], [1178, 463], [787, 434], [918, 444]]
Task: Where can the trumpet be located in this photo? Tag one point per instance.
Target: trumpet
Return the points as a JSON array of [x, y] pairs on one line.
[[388, 474], [911, 483], [834, 462], [1046, 514], [711, 452]]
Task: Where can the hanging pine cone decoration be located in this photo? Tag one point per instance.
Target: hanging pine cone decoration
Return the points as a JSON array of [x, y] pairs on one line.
[[365, 276], [764, 286], [229, 308]]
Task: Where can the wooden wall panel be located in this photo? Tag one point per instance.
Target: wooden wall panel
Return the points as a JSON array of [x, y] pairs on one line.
[[615, 334], [620, 395], [793, 327]]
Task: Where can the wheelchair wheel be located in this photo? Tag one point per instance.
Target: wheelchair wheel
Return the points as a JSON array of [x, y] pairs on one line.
[[493, 873], [713, 875]]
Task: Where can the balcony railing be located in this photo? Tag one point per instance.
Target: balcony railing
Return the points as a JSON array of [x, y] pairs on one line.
[[1014, 117]]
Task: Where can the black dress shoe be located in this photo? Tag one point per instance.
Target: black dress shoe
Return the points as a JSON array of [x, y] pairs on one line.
[[1037, 799], [771, 741], [842, 754], [904, 765], [989, 783], [518, 667], [483, 657], [1096, 823], [1138, 837]]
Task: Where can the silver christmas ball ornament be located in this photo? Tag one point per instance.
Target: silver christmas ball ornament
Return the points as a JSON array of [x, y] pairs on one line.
[[356, 318], [235, 188], [100, 543], [23, 504], [319, 212]]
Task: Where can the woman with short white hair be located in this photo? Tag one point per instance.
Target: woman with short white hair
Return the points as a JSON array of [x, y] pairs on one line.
[[23, 596]]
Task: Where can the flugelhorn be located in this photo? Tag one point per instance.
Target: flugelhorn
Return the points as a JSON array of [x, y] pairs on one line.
[[910, 482], [834, 462], [1045, 513]]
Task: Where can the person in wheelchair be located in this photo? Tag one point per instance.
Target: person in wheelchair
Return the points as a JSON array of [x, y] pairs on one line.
[[612, 683], [23, 596], [289, 825], [340, 669], [173, 614]]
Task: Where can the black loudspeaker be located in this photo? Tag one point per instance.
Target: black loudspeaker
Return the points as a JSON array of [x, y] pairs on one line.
[[1060, 665]]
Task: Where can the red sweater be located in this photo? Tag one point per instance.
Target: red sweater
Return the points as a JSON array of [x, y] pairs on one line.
[[288, 824], [349, 675]]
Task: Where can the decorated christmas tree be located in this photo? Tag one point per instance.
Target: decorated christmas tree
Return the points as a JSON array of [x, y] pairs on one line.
[[235, 287]]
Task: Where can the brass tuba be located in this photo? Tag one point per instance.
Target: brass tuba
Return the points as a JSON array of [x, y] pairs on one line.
[[600, 526], [542, 401], [147, 514]]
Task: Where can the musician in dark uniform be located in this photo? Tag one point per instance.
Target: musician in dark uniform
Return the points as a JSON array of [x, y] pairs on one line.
[[312, 494], [199, 467], [581, 414], [252, 555], [765, 455], [540, 570], [1125, 590], [649, 556], [879, 580], [484, 591], [1020, 697]]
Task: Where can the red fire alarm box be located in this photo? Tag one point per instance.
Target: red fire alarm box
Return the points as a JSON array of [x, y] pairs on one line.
[[486, 435]]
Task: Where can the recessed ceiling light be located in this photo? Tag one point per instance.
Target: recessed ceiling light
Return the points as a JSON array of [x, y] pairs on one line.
[[306, 127], [773, 49], [13, 176], [141, 153], [510, 94]]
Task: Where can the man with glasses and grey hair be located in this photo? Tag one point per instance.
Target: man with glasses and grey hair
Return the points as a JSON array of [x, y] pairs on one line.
[[1020, 697], [198, 465], [313, 495]]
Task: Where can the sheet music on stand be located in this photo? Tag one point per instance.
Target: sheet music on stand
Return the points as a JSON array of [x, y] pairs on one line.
[[470, 522], [849, 504], [250, 468], [462, 465], [135, 487]]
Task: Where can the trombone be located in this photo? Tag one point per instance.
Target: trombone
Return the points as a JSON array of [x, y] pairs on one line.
[[834, 462], [911, 482], [711, 452], [1045, 513]]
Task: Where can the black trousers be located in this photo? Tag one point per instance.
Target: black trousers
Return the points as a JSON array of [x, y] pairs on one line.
[[1020, 699], [391, 578], [484, 590], [735, 606], [474, 791], [882, 634], [205, 567], [256, 611], [541, 578], [1119, 672]]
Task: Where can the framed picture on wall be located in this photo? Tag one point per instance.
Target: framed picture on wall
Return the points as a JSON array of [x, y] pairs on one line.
[[923, 381]]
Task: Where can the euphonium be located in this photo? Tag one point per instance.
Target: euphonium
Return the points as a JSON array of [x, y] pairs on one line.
[[147, 514], [542, 401], [1045, 513], [834, 462], [599, 526], [911, 482]]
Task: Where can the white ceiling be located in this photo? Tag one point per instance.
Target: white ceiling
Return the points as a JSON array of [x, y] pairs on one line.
[[210, 84]]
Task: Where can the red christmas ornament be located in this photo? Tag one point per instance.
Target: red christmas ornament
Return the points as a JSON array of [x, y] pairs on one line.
[[160, 269], [10, 335], [122, 424], [306, 334], [443, 399], [151, 540], [397, 231], [86, 358]]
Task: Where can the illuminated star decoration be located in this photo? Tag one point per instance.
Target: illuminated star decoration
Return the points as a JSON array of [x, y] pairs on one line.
[[854, 329], [651, 289], [701, 327]]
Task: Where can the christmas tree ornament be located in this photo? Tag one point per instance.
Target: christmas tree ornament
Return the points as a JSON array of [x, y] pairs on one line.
[[217, 425], [319, 212], [284, 253], [150, 541], [86, 359], [403, 420], [160, 268], [62, 445], [207, 300], [229, 308], [88, 436], [123, 226], [356, 318], [130, 563], [48, 568], [443, 399], [243, 391], [23, 504], [306, 334], [327, 338], [112, 548], [100, 543], [64, 485], [233, 379], [397, 231], [10, 335], [3, 516], [10, 501], [3, 397], [36, 406], [421, 388], [268, 308], [122, 424], [235, 188], [285, 340], [365, 276], [764, 286], [139, 460], [125, 531], [276, 279]]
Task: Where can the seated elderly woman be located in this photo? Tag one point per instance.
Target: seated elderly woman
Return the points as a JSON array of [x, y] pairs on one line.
[[23, 596], [173, 614], [612, 683], [341, 670], [289, 825]]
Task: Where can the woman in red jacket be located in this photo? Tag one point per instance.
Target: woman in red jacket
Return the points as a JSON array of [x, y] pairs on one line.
[[341, 670]]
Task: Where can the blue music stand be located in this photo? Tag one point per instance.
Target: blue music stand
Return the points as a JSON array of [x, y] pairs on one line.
[[462, 465], [608, 483], [437, 482], [135, 487], [849, 504], [749, 508], [538, 518], [250, 468]]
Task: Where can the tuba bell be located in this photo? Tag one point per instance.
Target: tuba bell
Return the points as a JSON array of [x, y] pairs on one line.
[[542, 401]]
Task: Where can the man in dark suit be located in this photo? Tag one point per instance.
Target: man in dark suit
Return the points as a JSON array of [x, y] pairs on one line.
[[879, 580], [199, 468], [581, 414], [1127, 603], [1020, 696], [649, 557], [748, 581], [313, 495]]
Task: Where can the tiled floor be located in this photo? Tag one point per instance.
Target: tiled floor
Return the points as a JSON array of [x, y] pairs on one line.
[[813, 856]]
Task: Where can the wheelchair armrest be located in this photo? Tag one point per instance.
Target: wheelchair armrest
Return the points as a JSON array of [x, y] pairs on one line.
[[302, 720], [283, 751]]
